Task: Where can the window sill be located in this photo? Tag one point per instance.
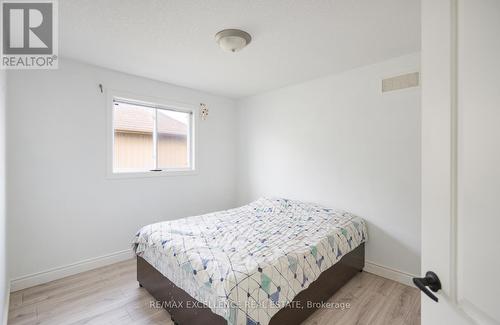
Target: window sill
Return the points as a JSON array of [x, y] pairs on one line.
[[147, 174]]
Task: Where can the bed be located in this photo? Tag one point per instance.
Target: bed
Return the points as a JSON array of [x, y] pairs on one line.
[[268, 262]]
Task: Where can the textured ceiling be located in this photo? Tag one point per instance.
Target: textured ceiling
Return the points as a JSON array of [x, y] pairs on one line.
[[293, 40]]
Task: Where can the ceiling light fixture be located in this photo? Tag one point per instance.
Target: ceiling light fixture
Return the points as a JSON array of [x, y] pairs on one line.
[[232, 40]]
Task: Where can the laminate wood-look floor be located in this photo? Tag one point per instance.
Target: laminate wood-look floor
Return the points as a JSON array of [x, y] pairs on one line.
[[111, 295]]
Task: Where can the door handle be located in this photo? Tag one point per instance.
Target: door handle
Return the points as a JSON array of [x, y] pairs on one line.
[[430, 280]]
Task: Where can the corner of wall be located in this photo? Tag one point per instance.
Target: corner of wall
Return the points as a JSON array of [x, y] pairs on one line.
[[4, 292]]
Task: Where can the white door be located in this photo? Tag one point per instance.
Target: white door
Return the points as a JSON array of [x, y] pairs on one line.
[[461, 159]]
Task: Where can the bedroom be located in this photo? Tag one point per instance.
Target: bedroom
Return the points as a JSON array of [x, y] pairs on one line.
[[249, 162]]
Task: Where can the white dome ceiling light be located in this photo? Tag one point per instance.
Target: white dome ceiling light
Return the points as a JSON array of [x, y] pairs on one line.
[[232, 40]]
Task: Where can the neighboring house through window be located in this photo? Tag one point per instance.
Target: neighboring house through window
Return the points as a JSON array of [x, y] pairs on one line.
[[151, 138]]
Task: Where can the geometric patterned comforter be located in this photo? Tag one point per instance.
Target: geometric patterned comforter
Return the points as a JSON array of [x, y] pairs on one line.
[[247, 263]]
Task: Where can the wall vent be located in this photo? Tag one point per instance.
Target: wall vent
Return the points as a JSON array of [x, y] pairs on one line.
[[401, 82]]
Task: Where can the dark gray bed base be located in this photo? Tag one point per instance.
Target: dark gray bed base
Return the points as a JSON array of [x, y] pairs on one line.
[[171, 296]]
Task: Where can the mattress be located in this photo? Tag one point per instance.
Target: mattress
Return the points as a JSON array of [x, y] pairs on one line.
[[247, 263]]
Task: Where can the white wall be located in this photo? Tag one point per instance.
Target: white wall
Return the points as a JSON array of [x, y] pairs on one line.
[[62, 208], [335, 140], [339, 141], [3, 273]]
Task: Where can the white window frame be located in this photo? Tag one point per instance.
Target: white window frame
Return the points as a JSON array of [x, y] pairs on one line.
[[157, 103]]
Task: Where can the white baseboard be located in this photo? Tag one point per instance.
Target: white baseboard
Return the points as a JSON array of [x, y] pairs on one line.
[[389, 273], [6, 304], [67, 270], [93, 263]]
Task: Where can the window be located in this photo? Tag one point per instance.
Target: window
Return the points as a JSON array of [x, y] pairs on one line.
[[151, 138]]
